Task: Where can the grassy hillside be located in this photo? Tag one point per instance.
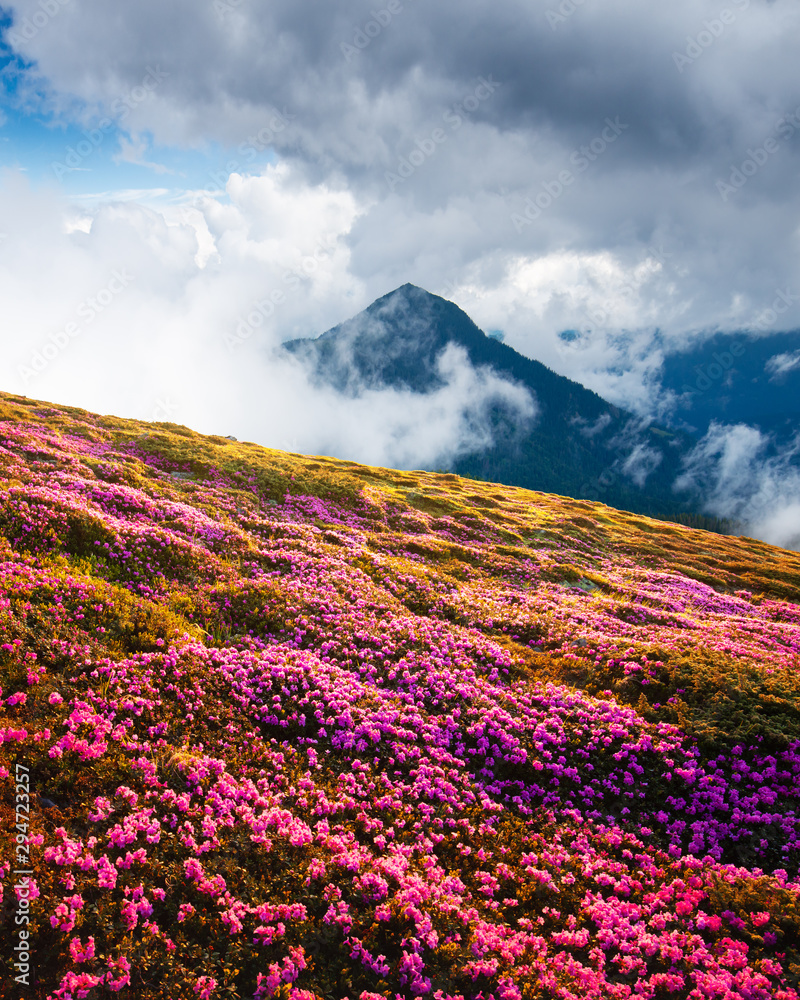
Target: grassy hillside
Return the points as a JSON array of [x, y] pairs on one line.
[[298, 728]]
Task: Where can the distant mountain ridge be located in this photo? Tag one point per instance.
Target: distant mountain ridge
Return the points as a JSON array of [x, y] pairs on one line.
[[581, 446]]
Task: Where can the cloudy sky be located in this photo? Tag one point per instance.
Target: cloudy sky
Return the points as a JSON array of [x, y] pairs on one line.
[[173, 173]]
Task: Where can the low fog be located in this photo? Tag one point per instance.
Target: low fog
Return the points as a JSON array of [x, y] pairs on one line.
[[117, 312], [731, 468]]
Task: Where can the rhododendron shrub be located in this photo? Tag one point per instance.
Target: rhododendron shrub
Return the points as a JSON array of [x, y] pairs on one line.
[[303, 729]]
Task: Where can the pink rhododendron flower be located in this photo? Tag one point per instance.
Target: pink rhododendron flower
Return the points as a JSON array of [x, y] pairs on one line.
[[204, 987], [81, 952]]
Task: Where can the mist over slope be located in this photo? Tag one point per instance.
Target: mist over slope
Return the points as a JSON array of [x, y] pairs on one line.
[[741, 392], [295, 727]]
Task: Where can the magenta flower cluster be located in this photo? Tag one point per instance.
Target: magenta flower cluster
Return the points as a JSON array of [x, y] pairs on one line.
[[339, 761]]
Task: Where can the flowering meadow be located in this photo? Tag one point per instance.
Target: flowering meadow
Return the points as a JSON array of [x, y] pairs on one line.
[[305, 729]]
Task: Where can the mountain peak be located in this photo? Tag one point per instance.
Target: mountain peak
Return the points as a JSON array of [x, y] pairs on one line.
[[581, 446], [410, 293], [396, 341]]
